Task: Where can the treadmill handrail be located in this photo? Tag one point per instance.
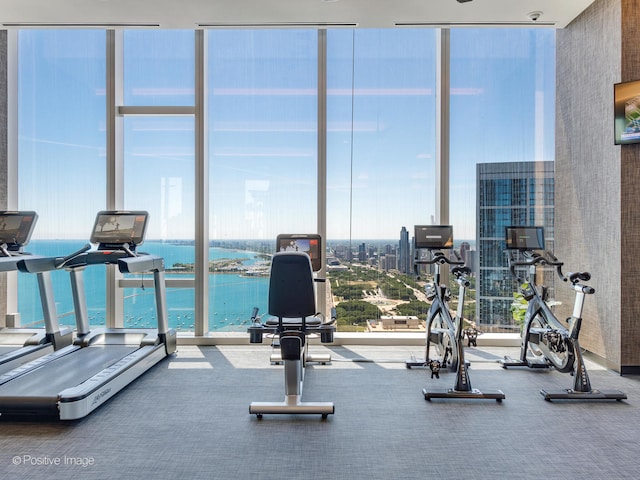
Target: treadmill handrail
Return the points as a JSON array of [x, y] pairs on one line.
[[10, 264], [142, 262], [38, 264]]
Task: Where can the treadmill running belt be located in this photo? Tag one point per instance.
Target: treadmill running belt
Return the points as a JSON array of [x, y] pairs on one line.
[[37, 391]]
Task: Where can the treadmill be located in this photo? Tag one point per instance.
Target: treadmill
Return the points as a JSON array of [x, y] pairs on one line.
[[21, 345], [72, 382]]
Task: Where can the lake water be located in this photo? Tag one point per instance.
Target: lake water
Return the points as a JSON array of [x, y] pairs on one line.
[[231, 296]]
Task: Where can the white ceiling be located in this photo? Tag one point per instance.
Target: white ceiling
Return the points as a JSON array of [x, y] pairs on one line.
[[195, 14]]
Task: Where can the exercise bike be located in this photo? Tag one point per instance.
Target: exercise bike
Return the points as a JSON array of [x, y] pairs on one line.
[[546, 341], [444, 332], [292, 303]]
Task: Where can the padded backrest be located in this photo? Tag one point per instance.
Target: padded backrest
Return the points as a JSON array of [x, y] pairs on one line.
[[291, 293]]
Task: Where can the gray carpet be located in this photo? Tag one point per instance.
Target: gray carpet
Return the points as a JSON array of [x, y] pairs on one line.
[[188, 418]]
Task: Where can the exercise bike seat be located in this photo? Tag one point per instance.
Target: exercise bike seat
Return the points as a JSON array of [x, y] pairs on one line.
[[292, 302], [291, 292]]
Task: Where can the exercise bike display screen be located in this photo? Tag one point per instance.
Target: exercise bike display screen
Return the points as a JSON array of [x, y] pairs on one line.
[[433, 236], [114, 228], [525, 238], [16, 228], [307, 243]]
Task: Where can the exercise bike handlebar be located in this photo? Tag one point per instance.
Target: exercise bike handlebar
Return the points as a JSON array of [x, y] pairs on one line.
[[576, 277], [550, 259], [572, 277], [437, 258], [537, 259], [256, 320]]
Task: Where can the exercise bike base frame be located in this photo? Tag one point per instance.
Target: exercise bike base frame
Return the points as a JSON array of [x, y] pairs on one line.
[[293, 356], [453, 350], [414, 362], [292, 405], [508, 361], [475, 394], [570, 394]]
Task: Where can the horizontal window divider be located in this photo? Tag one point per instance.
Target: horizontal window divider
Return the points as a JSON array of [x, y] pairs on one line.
[[148, 282], [155, 110], [61, 25], [458, 24], [318, 25]]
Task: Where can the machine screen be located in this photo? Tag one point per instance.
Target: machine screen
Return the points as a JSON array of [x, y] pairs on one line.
[[307, 243], [433, 236], [16, 228], [525, 238], [118, 228]]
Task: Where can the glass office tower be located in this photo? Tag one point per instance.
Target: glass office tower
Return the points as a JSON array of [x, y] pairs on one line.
[[509, 193]]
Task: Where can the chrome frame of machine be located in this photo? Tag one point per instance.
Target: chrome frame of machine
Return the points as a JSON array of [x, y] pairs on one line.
[[21, 345], [292, 302], [99, 363], [442, 330], [546, 341]]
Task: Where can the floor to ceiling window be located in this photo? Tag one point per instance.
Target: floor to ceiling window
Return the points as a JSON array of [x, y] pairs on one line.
[[502, 151], [381, 149], [262, 159], [262, 114], [61, 148], [159, 164]]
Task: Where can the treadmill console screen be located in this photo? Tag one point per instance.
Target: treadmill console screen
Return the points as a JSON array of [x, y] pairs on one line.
[[525, 238], [307, 243], [433, 237], [16, 229], [113, 228]]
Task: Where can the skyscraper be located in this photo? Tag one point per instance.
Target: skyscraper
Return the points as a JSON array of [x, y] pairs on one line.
[[404, 252], [362, 252], [513, 193], [464, 249]]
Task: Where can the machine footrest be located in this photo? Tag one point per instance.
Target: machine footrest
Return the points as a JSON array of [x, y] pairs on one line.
[[321, 358], [511, 362], [306, 408], [414, 362]]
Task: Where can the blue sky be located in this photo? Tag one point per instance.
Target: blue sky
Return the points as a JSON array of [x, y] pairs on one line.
[[381, 141]]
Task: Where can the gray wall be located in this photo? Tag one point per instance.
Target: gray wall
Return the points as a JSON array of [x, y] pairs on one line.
[[630, 208], [597, 183], [3, 156]]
